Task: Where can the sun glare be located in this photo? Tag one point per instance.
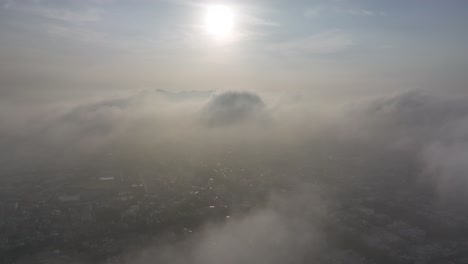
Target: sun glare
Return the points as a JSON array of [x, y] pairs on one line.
[[220, 21]]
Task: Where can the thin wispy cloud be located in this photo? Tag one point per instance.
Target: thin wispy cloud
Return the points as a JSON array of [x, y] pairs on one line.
[[318, 11], [87, 15], [71, 15], [361, 12], [79, 24], [329, 42], [258, 21]]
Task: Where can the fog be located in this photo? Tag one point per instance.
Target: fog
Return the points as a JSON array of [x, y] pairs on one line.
[[253, 178]]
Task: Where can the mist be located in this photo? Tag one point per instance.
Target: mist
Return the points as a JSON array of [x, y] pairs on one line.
[[203, 132], [242, 177]]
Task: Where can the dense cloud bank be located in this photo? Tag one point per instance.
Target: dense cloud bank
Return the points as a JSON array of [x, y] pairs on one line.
[[381, 182]]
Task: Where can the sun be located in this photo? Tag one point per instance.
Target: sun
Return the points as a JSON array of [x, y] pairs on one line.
[[220, 21]]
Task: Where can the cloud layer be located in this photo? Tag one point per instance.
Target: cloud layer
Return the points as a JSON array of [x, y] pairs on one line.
[[291, 188]]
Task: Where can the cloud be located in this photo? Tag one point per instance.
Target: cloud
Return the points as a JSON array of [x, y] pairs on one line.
[[379, 175], [257, 21], [76, 22], [433, 128], [361, 12], [78, 14], [87, 15], [430, 130], [318, 11], [324, 43], [284, 230]]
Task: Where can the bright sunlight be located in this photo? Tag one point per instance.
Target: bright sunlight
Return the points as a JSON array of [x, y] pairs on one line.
[[220, 21]]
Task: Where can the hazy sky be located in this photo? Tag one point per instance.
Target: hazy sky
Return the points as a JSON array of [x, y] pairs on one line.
[[336, 125], [53, 49]]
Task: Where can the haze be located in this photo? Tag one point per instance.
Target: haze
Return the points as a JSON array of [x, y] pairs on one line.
[[185, 131]]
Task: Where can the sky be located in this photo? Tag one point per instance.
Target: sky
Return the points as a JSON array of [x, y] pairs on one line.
[[305, 116], [55, 50]]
